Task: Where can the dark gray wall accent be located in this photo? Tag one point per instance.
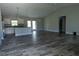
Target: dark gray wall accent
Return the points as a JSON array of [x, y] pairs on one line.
[[1, 31]]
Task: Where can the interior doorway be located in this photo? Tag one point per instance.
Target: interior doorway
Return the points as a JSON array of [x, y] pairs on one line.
[[62, 25]]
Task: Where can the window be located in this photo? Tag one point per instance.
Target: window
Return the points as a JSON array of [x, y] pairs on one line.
[[28, 23], [14, 22]]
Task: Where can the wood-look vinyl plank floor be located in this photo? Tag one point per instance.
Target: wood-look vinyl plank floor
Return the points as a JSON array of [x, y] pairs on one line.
[[40, 43]]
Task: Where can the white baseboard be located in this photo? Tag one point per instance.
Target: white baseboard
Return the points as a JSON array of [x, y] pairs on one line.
[[52, 30], [69, 33], [58, 31], [39, 29]]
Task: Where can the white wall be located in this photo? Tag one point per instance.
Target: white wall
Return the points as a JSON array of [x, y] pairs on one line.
[[72, 19], [40, 24]]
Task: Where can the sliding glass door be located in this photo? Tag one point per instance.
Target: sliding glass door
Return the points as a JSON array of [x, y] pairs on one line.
[[32, 24], [34, 27]]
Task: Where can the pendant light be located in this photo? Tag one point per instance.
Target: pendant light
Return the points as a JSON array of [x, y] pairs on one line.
[[15, 21], [17, 15]]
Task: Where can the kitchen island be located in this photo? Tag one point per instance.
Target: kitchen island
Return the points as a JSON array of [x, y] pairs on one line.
[[18, 31], [22, 31]]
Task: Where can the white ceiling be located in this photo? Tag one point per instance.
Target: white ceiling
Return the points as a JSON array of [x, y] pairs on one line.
[[30, 9]]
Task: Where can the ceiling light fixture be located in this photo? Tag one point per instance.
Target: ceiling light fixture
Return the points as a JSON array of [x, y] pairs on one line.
[[17, 13]]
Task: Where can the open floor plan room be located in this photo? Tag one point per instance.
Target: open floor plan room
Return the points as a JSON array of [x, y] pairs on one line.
[[39, 29]]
